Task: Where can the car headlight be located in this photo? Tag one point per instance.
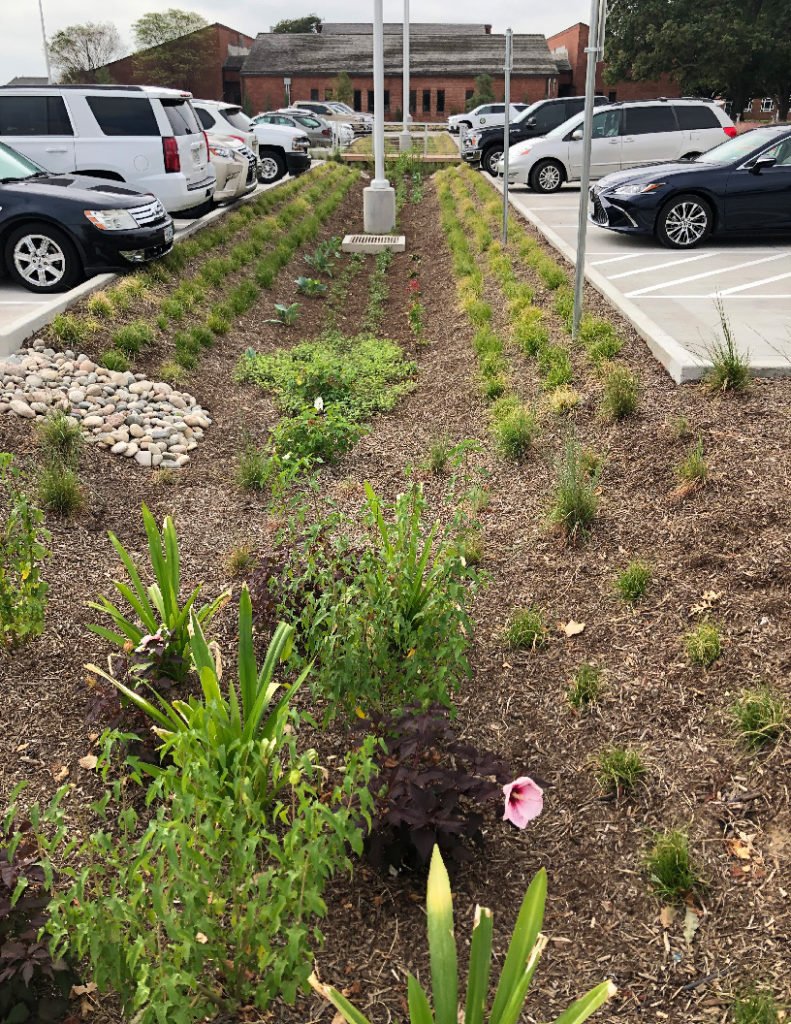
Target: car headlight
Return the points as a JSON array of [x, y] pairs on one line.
[[221, 151], [111, 220], [637, 190], [299, 144], [472, 139]]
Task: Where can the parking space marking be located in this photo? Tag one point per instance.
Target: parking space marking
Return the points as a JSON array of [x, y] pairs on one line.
[[754, 284], [712, 295], [618, 259], [708, 273], [662, 266]]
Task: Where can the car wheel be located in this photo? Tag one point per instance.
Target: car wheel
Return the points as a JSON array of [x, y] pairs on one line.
[[272, 167], [547, 176], [490, 160], [684, 222], [42, 259]]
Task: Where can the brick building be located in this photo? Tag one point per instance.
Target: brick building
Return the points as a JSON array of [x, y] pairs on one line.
[[444, 61], [219, 52], [570, 45]]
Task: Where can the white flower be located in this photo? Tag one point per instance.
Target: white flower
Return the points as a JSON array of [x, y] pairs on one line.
[[318, 405]]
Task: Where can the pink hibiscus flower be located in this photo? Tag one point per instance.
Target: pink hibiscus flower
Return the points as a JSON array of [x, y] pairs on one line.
[[524, 800]]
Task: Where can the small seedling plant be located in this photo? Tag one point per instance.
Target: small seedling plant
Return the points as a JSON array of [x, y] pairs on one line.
[[310, 286], [284, 314]]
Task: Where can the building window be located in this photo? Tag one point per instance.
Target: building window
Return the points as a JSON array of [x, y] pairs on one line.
[[767, 105], [387, 99], [358, 99], [412, 101], [468, 94], [427, 101], [370, 101], [328, 94], [440, 101], [748, 105], [611, 96], [314, 94]]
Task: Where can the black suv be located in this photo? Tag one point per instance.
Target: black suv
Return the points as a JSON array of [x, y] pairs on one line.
[[486, 146]]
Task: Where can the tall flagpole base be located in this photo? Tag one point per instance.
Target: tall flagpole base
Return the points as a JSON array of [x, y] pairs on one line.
[[379, 210]]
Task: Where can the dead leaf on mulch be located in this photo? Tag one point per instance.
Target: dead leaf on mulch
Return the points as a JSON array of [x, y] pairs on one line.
[[667, 915], [685, 490], [707, 602], [59, 774], [88, 762], [572, 628], [691, 925]]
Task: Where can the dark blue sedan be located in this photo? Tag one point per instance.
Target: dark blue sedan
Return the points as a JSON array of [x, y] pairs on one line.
[[742, 186]]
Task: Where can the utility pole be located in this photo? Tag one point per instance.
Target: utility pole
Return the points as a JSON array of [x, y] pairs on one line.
[[405, 139], [595, 51], [509, 61], [379, 197], [44, 40]]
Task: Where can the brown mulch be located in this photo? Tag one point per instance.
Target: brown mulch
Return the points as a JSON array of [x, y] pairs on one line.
[[730, 539]]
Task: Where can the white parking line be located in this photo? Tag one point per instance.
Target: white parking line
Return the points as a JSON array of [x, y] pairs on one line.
[[713, 295], [619, 259], [754, 284], [662, 266], [708, 273]]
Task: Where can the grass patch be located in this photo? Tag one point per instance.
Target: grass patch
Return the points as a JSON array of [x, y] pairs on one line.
[[575, 502], [730, 371], [59, 490], [254, 471], [69, 329], [621, 392], [693, 468], [619, 768], [632, 583], [241, 559], [133, 337], [703, 644], [755, 1007], [99, 305], [527, 629], [439, 455], [112, 359], [562, 400], [515, 428], [761, 716], [670, 869], [61, 438], [585, 686]]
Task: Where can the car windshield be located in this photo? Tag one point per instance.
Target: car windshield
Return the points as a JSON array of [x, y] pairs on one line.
[[739, 148], [237, 117], [15, 167], [308, 122], [527, 112]]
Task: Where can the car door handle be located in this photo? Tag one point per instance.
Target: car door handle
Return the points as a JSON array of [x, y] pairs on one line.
[[627, 138], [54, 150], [617, 142]]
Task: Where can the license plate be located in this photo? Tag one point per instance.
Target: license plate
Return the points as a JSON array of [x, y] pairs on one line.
[[169, 233]]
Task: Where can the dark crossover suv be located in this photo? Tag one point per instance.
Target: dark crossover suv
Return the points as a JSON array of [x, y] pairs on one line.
[[741, 186], [56, 229], [486, 144]]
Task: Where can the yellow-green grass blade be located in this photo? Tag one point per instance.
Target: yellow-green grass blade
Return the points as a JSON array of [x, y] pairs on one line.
[[441, 942], [588, 1004], [350, 1013], [528, 925], [480, 966], [419, 1008]]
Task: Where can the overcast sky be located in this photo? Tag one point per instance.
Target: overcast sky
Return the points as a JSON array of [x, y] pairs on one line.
[[20, 35]]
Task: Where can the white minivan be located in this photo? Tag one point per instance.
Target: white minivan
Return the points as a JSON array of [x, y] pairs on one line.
[[146, 137], [624, 135]]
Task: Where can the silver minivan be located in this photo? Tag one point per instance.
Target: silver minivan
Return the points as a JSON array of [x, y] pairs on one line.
[[146, 137]]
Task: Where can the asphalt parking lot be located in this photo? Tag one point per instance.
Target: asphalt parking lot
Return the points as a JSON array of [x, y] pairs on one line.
[[671, 297], [22, 313]]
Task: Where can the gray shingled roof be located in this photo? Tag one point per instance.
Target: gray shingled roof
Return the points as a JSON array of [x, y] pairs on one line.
[[392, 28], [467, 55], [21, 80]]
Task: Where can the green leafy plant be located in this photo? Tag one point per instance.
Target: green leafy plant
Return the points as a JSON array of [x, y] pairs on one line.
[[317, 434], [575, 503], [621, 392], [670, 868], [157, 608], [527, 629], [762, 716], [515, 428], [131, 338], [755, 1007], [310, 286], [585, 686], [61, 438], [693, 469], [23, 550], [730, 370], [632, 583], [524, 953], [285, 314], [59, 489], [619, 768], [703, 644], [112, 359], [69, 329]]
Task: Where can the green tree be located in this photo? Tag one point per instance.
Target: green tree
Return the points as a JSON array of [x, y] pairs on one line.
[[78, 51], [309, 23], [162, 26], [343, 90], [484, 93]]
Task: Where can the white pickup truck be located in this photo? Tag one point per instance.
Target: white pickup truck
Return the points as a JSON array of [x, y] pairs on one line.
[[488, 115]]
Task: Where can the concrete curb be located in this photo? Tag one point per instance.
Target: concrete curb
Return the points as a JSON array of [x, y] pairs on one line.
[[682, 365]]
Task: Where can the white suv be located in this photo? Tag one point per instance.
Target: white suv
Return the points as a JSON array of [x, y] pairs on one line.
[[148, 138], [624, 135], [226, 119], [488, 115]]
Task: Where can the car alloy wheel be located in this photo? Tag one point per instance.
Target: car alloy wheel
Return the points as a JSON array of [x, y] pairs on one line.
[[39, 261], [269, 169], [686, 223], [493, 158], [549, 178]]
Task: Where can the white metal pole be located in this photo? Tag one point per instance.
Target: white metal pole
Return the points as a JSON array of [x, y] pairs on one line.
[[507, 126], [44, 40], [592, 50], [406, 66], [380, 181]]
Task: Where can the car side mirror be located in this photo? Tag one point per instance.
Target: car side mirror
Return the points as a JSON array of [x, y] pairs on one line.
[[531, 122], [762, 163], [576, 135]]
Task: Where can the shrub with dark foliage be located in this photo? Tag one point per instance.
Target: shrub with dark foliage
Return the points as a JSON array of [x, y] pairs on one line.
[[431, 789]]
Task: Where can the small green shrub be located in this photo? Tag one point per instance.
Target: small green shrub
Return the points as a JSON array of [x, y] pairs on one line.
[[173, 310], [564, 305], [703, 644], [527, 629], [693, 469], [170, 372], [99, 305], [619, 768], [730, 370], [670, 869], [551, 274], [563, 399], [255, 469], [241, 559], [762, 716], [621, 392], [243, 297], [515, 431], [59, 490], [632, 583], [554, 363], [310, 286], [530, 334], [599, 339], [314, 434], [585, 686], [439, 455], [493, 387], [112, 359], [69, 330], [131, 338], [23, 550], [575, 502], [61, 438], [755, 1007], [218, 321]]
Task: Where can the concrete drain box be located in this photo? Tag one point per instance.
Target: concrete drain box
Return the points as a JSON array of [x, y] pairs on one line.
[[374, 243]]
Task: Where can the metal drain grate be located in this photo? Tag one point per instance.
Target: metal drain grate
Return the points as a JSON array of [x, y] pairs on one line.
[[374, 243]]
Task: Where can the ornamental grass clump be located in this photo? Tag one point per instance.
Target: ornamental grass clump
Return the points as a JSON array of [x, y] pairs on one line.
[[755, 1007], [524, 952], [59, 489], [23, 551], [515, 428], [632, 583], [585, 687], [761, 716], [621, 392], [575, 503], [703, 644], [527, 629], [618, 769], [60, 436], [730, 370], [670, 868], [693, 469]]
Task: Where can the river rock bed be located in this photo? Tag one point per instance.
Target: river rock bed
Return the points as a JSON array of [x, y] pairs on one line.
[[124, 412]]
